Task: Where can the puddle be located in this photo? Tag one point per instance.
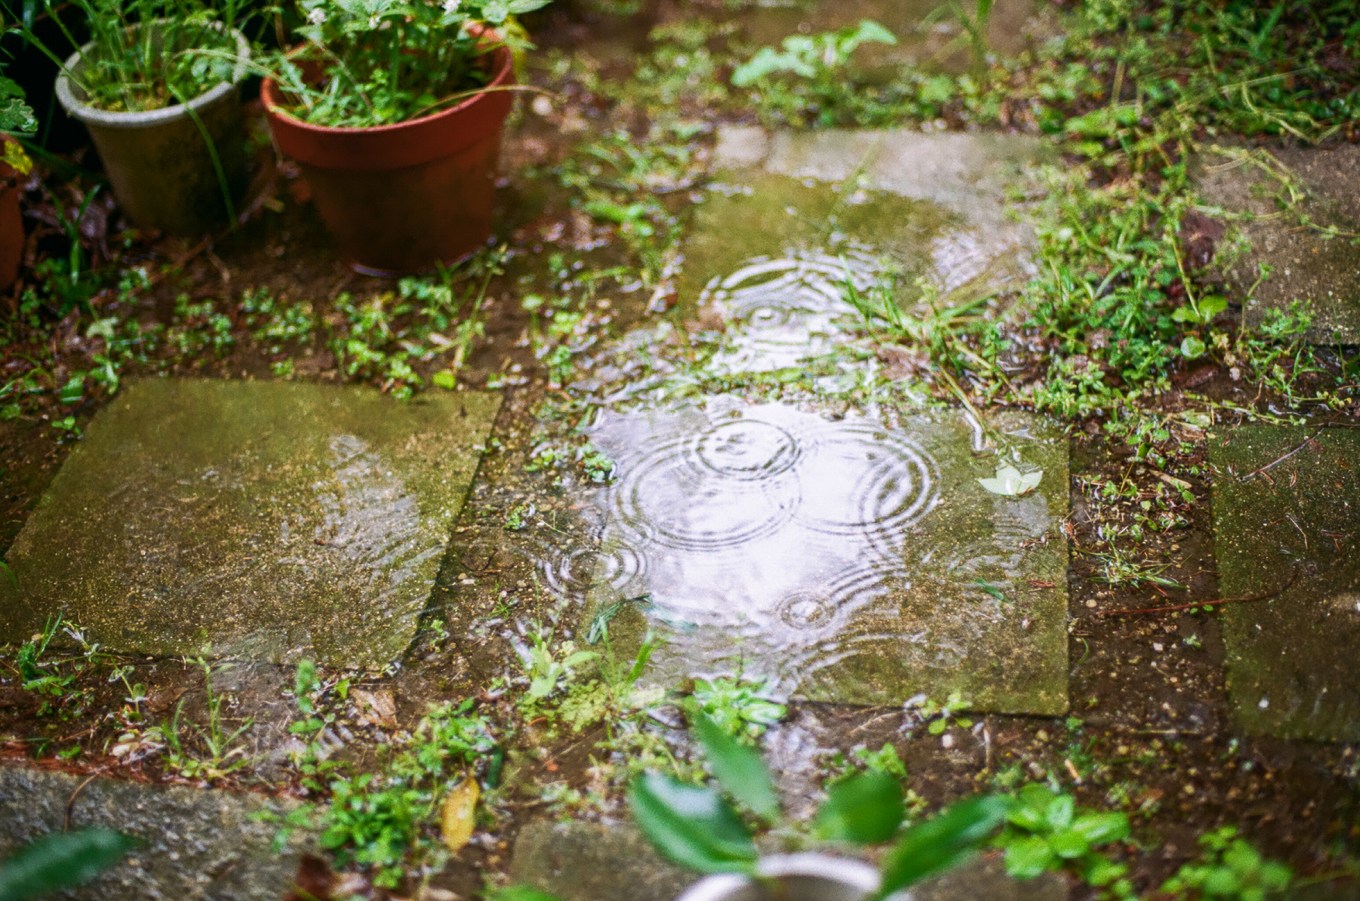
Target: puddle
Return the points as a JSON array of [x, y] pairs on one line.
[[250, 517], [785, 311], [844, 560]]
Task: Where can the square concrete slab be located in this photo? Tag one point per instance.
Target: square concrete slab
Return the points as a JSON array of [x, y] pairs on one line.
[[1286, 505], [1306, 263], [267, 520], [844, 560]]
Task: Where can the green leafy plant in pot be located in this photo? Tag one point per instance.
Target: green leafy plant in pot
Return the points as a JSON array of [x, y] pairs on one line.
[[157, 86], [700, 828], [394, 111]]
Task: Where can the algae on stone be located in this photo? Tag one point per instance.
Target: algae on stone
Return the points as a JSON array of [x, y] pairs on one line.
[[1286, 503], [267, 520]]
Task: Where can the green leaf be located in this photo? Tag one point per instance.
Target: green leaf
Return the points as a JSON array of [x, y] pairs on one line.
[[1069, 844], [1061, 810], [738, 769], [445, 379], [1192, 347], [691, 826], [1029, 857], [519, 893], [61, 860], [1100, 828], [865, 809], [942, 841]]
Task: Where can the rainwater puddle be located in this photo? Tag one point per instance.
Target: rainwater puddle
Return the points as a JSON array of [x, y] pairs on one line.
[[843, 560], [784, 311]]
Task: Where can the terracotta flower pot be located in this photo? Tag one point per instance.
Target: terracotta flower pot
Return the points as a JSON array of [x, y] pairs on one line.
[[171, 168], [403, 198], [11, 223]]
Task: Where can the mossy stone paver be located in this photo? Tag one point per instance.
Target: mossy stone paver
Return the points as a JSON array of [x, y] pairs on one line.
[[1286, 503], [795, 218], [267, 520], [1307, 264], [844, 560], [199, 844]]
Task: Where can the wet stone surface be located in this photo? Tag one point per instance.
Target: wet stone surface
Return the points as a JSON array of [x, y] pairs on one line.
[[1286, 531], [860, 203], [268, 520], [845, 560], [199, 844], [1306, 265]]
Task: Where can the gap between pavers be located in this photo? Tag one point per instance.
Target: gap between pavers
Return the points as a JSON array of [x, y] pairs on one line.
[[265, 520]]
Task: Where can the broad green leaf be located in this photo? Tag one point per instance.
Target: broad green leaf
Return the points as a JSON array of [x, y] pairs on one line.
[[942, 841], [1012, 482], [61, 860], [1069, 844], [1060, 811], [519, 893], [691, 826], [1029, 857], [1099, 828], [865, 809], [738, 769]]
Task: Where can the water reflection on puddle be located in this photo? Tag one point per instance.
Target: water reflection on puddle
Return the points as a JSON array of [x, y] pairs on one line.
[[786, 310], [834, 557]]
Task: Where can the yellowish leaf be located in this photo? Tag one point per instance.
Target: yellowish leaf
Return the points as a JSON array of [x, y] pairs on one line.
[[460, 814]]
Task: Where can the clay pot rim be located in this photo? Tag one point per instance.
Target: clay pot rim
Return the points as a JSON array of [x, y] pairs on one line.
[[503, 75], [68, 92]]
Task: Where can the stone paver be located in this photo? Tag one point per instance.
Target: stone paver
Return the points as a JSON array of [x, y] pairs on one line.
[[1305, 264], [932, 45], [199, 844], [1286, 505], [578, 861], [269, 520], [846, 560], [932, 206]]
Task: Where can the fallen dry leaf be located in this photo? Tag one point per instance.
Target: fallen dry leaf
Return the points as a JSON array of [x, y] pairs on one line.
[[460, 814]]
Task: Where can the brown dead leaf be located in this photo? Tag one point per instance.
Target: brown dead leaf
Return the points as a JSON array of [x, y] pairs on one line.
[[376, 708]]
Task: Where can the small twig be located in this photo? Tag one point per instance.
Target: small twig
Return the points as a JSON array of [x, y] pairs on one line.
[[71, 801], [1278, 460], [1170, 608]]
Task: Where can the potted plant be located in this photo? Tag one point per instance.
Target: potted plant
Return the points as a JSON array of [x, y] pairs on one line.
[[15, 117], [394, 111], [157, 86], [697, 827]]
